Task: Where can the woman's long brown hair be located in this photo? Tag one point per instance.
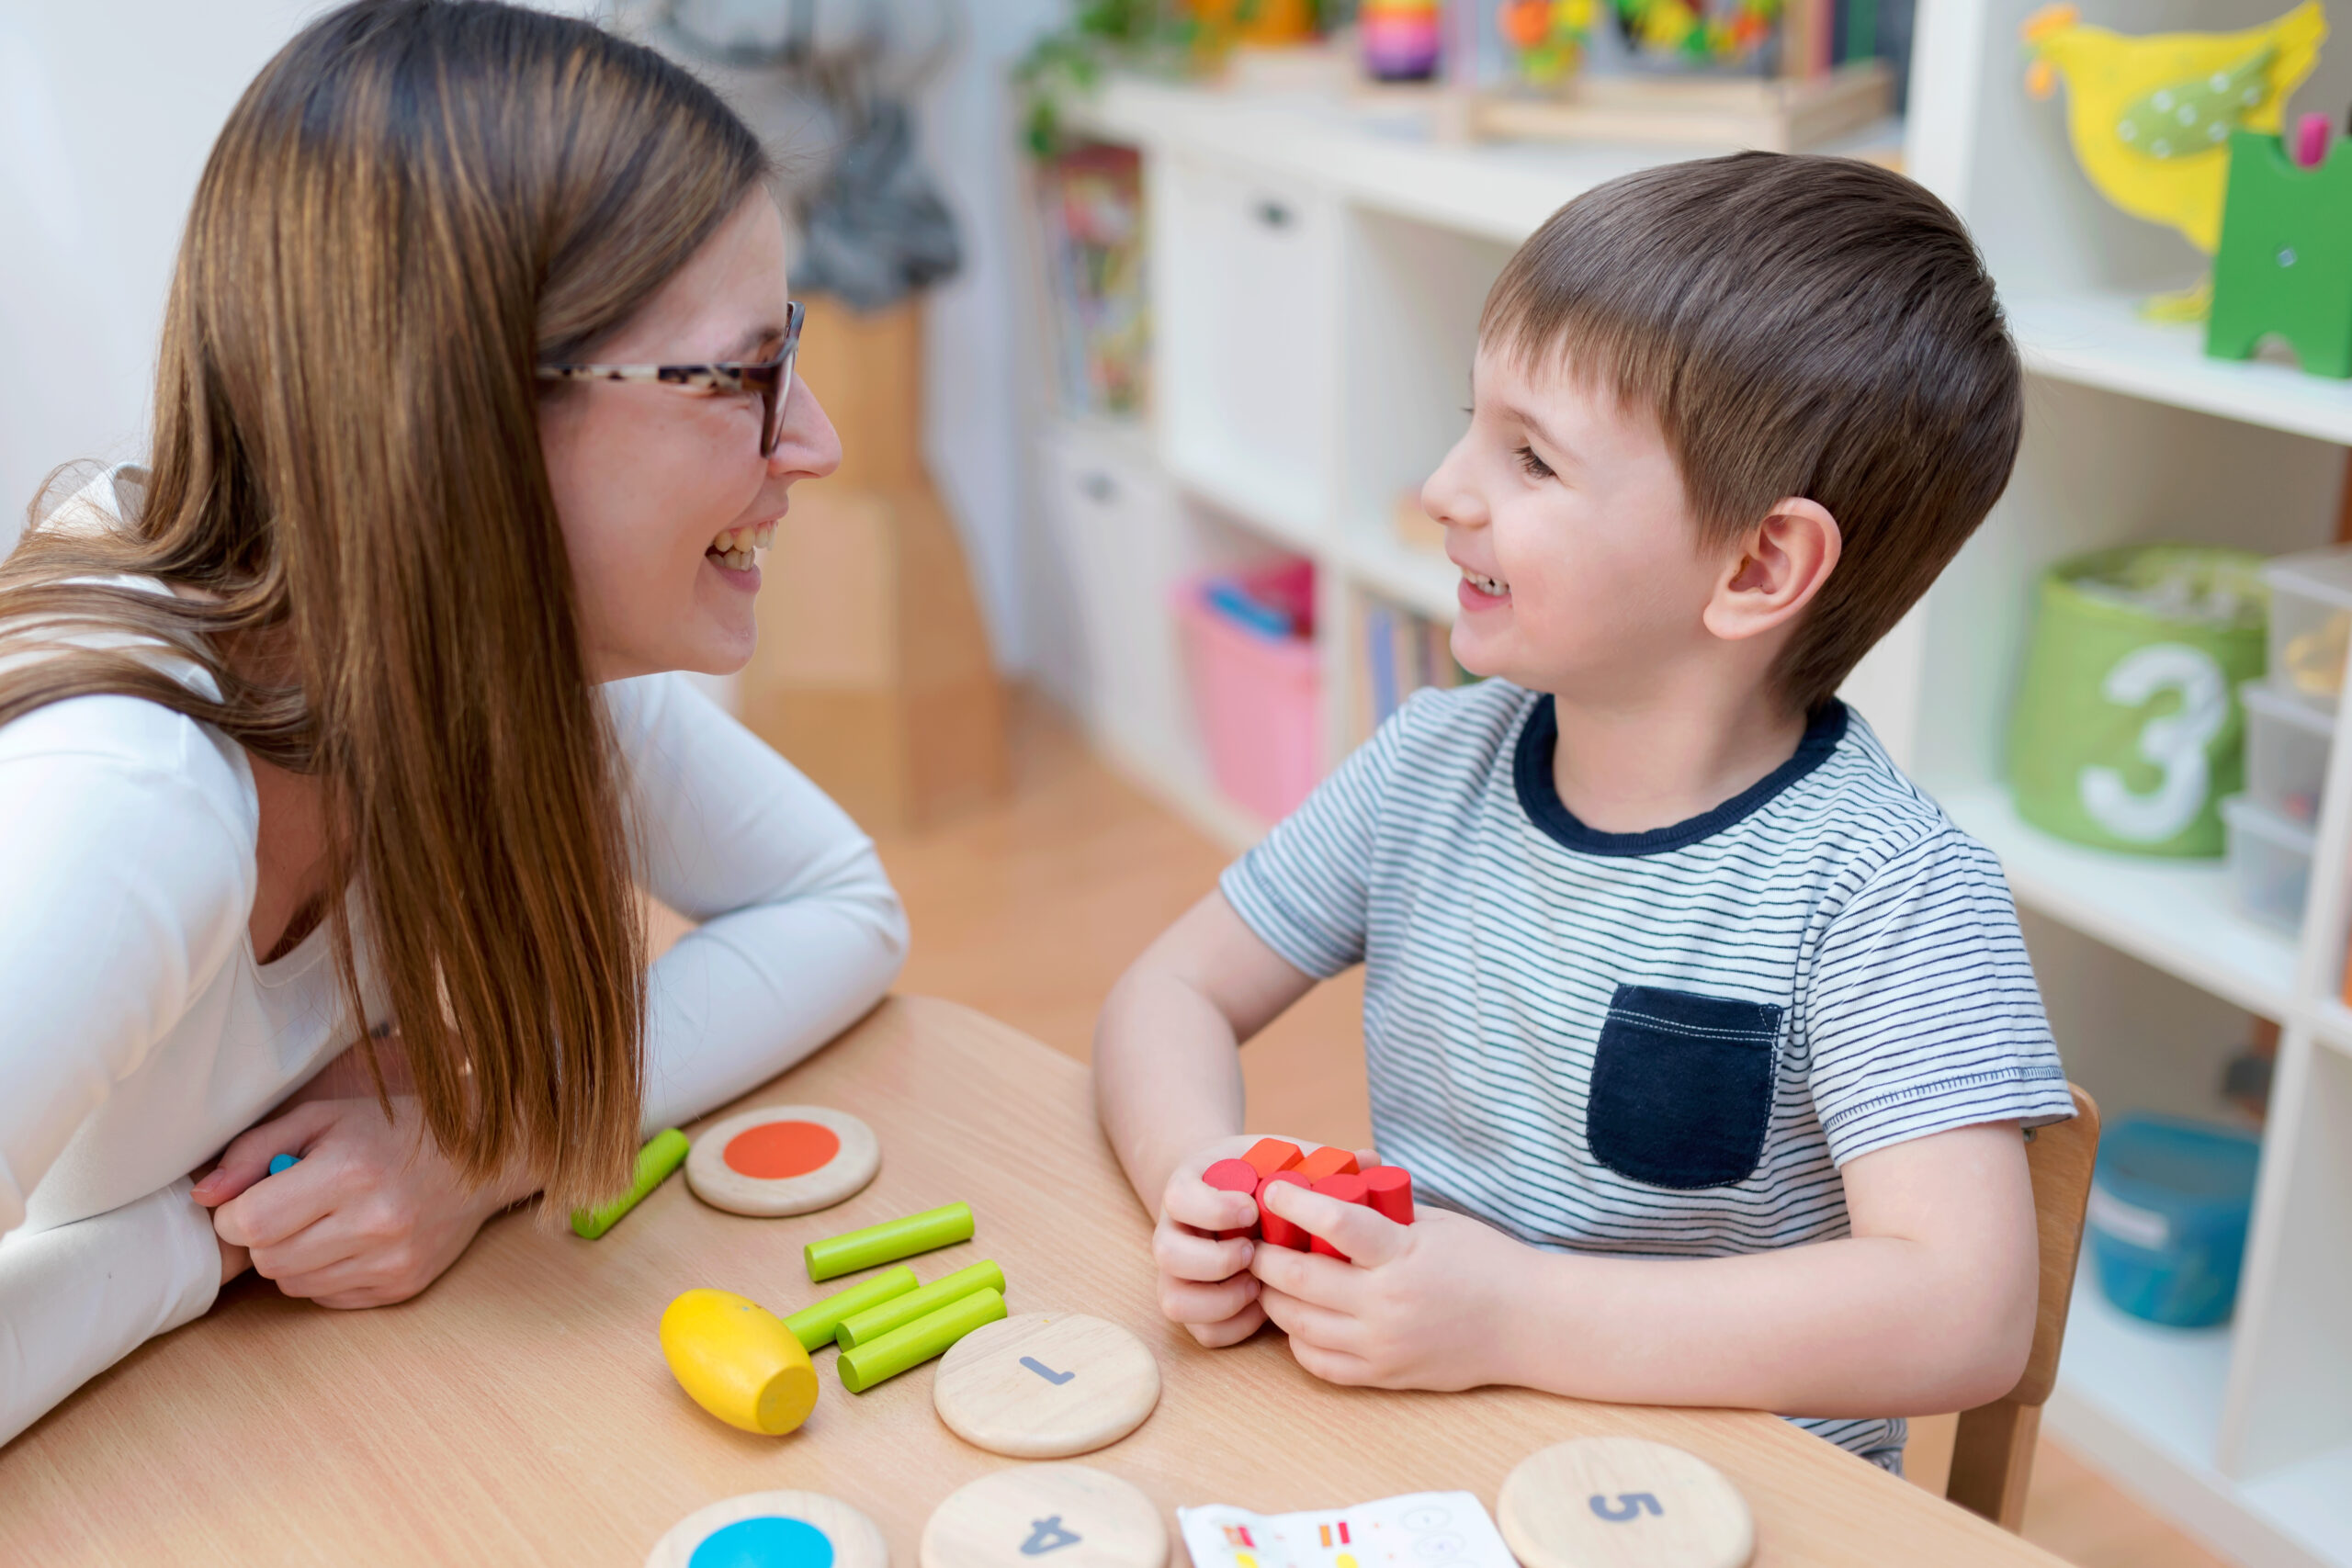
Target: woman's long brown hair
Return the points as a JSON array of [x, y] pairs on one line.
[[415, 203]]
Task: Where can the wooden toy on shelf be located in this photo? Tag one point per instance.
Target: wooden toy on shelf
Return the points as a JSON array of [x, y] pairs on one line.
[[885, 1356], [735, 1359], [1622, 1503], [1046, 1385], [1028, 1513], [788, 1529], [783, 1159], [888, 1242], [2285, 262], [2150, 118], [655, 1161]]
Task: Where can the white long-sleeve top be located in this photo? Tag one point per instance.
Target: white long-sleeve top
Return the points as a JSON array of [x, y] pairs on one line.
[[139, 1034]]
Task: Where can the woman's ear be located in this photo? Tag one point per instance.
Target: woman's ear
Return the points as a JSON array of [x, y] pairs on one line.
[[1781, 564]]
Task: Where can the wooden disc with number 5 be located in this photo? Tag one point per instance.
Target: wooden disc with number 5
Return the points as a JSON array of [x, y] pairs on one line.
[[1624, 1503]]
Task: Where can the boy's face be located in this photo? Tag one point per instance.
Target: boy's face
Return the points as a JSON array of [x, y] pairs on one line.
[[1581, 571]]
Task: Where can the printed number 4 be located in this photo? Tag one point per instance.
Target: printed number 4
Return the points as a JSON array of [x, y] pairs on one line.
[[2175, 741], [1629, 1506]]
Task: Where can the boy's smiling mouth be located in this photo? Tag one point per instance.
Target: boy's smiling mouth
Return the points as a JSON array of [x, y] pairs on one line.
[[1490, 587]]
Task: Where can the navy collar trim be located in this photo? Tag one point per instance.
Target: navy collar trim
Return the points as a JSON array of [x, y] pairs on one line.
[[1540, 797]]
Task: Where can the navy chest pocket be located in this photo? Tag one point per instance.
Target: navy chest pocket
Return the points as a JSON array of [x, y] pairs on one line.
[[1681, 1086]]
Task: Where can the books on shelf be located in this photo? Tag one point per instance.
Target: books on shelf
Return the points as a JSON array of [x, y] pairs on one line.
[[1398, 653], [1091, 209]]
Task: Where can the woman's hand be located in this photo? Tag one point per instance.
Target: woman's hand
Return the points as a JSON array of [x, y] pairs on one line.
[[371, 1215], [1426, 1305]]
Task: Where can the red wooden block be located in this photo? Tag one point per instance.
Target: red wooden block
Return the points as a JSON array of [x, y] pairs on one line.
[[1233, 1175], [1389, 1190], [1277, 1230], [1271, 1154], [1348, 1188], [1329, 1160]]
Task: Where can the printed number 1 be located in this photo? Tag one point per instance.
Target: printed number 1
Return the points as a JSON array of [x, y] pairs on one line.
[[2175, 741], [1629, 1506]]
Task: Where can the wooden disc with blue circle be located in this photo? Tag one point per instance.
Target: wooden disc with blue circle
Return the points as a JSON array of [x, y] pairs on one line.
[[773, 1529]]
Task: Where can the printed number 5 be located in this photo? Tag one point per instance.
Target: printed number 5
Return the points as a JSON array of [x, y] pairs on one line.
[[2175, 742], [1629, 1506]]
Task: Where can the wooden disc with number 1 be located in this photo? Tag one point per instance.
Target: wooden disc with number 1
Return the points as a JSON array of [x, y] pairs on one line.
[[783, 1159], [1624, 1503], [1046, 1385]]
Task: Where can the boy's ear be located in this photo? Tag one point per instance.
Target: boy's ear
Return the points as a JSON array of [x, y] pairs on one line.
[[1781, 564]]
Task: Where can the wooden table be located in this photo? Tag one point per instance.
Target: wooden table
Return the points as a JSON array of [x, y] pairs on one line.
[[520, 1412]]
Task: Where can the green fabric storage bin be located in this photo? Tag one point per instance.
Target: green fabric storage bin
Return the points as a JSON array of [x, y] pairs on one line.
[[2127, 729]]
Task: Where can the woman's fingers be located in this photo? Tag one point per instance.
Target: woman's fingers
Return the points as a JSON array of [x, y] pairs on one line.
[[246, 1159]]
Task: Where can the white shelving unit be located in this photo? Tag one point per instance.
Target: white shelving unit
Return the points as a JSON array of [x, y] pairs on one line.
[[1317, 270]]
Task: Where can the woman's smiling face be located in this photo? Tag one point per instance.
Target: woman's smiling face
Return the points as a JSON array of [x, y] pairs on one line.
[[655, 482]]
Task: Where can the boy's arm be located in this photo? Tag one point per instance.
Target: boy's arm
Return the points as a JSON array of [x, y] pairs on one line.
[[1927, 1307], [1167, 1047]]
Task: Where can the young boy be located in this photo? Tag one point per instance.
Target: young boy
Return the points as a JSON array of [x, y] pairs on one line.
[[1706, 1036]]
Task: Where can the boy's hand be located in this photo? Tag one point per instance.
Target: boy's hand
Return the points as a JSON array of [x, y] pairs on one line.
[[1205, 1283], [1423, 1306]]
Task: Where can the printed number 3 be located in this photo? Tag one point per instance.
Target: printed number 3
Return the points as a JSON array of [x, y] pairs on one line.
[[2175, 741]]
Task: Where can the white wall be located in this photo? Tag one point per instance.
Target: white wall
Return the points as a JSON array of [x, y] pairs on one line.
[[107, 108]]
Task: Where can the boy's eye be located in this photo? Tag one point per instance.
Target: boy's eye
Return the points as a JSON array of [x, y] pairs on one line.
[[1534, 466]]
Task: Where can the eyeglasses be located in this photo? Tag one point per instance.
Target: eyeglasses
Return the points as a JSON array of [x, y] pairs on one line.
[[772, 378]]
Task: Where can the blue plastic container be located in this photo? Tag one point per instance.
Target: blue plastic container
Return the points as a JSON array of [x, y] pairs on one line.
[[2169, 1204]]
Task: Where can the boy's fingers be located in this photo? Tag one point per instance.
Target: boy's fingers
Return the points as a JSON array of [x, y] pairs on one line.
[[246, 1159], [1192, 1202], [1232, 1331], [1303, 1319], [1368, 1238], [1182, 1300], [1190, 1256]]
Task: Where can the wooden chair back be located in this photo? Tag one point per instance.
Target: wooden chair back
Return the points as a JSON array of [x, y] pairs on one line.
[[1992, 1455]]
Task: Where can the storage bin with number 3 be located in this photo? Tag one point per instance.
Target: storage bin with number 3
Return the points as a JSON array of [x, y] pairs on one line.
[[783, 1159], [2127, 731]]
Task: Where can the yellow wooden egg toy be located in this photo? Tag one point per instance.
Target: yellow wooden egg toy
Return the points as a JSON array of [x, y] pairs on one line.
[[739, 1361]]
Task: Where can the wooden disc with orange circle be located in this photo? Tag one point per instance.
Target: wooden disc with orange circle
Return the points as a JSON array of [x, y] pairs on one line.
[[783, 1159]]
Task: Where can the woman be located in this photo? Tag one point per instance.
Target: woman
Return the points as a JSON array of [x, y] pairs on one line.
[[352, 719]]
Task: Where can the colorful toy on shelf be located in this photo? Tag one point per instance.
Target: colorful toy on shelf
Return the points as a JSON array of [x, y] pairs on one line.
[[739, 1361], [1698, 32], [1401, 38], [2285, 264], [655, 1161], [1549, 38], [2150, 118]]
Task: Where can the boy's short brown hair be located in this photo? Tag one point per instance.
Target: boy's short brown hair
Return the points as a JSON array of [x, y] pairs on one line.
[[1799, 326]]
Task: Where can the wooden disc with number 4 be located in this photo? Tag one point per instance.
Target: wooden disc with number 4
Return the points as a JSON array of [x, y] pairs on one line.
[[1624, 1503], [1046, 1385], [776, 1529], [783, 1159], [1070, 1516]]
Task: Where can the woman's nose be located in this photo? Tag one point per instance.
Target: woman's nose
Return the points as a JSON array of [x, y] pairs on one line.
[[808, 444]]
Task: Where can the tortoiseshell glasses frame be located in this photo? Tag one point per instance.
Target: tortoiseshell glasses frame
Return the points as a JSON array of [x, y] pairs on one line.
[[770, 378]]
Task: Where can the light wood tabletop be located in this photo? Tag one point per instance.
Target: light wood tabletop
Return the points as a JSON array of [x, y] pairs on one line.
[[519, 1411]]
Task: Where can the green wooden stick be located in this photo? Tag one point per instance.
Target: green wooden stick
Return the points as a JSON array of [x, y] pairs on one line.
[[876, 1321], [888, 1242], [877, 1361], [814, 1324], [655, 1161]]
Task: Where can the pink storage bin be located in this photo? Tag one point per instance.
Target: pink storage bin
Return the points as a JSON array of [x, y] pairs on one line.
[[1258, 698]]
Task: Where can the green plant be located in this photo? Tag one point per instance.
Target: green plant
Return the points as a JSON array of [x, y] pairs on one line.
[[1151, 35]]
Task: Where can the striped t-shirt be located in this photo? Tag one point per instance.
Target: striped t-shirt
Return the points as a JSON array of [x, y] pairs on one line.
[[1656, 1044]]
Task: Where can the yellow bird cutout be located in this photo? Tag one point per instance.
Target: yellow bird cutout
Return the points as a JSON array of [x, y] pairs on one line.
[[2150, 118]]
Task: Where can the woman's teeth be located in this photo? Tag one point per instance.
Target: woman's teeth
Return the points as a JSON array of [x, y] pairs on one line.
[[1493, 587], [734, 549]]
